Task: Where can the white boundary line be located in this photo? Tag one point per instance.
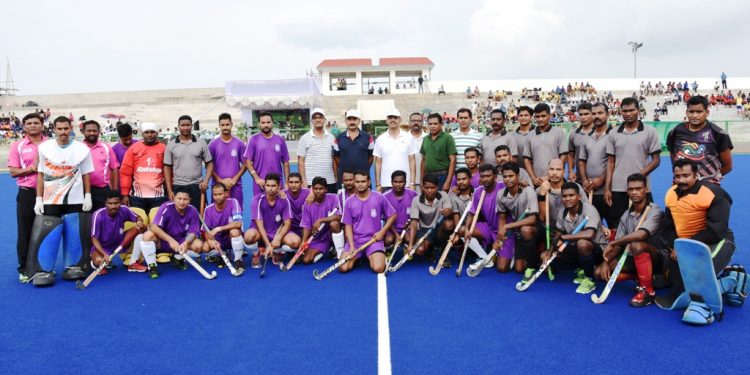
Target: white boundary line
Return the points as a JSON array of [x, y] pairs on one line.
[[384, 332]]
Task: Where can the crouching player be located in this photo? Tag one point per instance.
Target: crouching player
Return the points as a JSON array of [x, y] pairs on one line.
[[646, 257], [223, 217], [425, 214], [107, 232], [362, 217], [271, 223], [324, 209], [400, 199], [512, 201], [176, 227], [585, 247]]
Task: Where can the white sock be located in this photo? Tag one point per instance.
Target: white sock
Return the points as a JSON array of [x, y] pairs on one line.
[[149, 252], [338, 243], [193, 254], [252, 249], [286, 249], [237, 247], [178, 256], [213, 253], [136, 249], [477, 248]]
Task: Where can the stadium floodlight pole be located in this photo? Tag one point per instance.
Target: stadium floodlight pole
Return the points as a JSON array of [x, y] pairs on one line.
[[635, 45]]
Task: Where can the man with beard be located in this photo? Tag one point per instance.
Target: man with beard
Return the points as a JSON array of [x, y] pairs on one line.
[[141, 174], [415, 129], [545, 143], [314, 157], [485, 232], [106, 174], [353, 148], [578, 137], [502, 156], [498, 137], [439, 152], [183, 163], [266, 153], [227, 153], [592, 161]]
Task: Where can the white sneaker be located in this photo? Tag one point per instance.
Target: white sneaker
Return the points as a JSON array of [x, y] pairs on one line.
[[490, 263], [475, 266]]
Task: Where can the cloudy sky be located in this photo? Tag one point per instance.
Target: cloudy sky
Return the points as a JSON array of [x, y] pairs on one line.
[[85, 46]]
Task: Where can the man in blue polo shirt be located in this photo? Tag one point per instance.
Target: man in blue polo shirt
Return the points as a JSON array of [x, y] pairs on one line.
[[352, 150]]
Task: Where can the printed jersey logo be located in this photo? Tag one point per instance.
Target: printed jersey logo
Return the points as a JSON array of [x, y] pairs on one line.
[[234, 153], [187, 226], [278, 218], [692, 151], [373, 213], [277, 148]]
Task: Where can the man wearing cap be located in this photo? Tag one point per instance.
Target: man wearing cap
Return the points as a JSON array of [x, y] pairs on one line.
[[314, 155], [352, 150], [394, 151], [183, 163], [141, 172]]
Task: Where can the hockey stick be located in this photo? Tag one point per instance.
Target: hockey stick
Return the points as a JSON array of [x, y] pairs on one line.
[[127, 239], [521, 286], [475, 272], [349, 256], [200, 269], [613, 278], [399, 240], [471, 232], [304, 246], [409, 253], [224, 257], [546, 218], [436, 270]]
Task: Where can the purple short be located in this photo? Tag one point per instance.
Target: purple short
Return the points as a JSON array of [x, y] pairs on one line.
[[488, 235], [372, 249], [106, 250], [236, 193], [508, 248], [322, 245]]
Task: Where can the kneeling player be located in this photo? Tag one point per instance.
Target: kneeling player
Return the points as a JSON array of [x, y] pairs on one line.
[[585, 247], [324, 209], [107, 231], [177, 228], [512, 202], [272, 221], [485, 231], [645, 254], [362, 217], [425, 213], [223, 218], [401, 199]]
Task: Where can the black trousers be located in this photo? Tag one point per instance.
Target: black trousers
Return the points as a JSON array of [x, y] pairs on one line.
[[61, 210], [25, 200], [98, 197], [604, 211]]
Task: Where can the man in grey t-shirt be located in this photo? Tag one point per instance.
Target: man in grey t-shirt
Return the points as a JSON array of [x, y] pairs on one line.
[[498, 136], [184, 158], [543, 144], [512, 202], [425, 213], [592, 161]]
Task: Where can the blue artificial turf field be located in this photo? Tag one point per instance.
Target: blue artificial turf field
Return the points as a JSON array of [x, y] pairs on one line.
[[291, 323]]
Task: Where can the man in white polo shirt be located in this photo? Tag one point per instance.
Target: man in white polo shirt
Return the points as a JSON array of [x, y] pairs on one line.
[[394, 151], [314, 152]]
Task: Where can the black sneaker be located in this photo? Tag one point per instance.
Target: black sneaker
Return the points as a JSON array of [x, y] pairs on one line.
[[179, 263], [74, 273], [219, 262], [212, 258], [153, 271], [239, 264]]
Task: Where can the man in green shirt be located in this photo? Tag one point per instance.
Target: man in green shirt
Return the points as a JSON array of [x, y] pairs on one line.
[[438, 153]]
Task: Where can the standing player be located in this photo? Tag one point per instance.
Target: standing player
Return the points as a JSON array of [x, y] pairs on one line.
[[512, 201], [628, 151], [125, 133], [543, 144], [271, 222], [400, 199], [142, 175], [314, 155], [176, 227], [415, 129], [394, 151], [363, 216], [184, 158], [353, 148], [425, 213], [227, 153], [106, 174], [223, 217], [646, 256], [107, 225], [296, 195], [324, 209], [701, 141], [502, 156], [266, 153], [577, 139], [498, 137], [485, 231], [585, 247], [23, 165], [465, 137], [525, 127], [592, 161]]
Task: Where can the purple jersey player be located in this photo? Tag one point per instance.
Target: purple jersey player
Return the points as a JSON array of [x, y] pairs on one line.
[[107, 231], [400, 199], [228, 154], [362, 216], [223, 217], [177, 228], [296, 195], [271, 222], [324, 209], [266, 153]]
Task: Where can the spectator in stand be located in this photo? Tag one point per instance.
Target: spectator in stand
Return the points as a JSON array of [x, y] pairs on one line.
[[723, 80]]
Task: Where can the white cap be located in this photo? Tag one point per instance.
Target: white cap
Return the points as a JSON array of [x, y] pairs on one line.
[[146, 126], [352, 113], [394, 112], [317, 110]]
